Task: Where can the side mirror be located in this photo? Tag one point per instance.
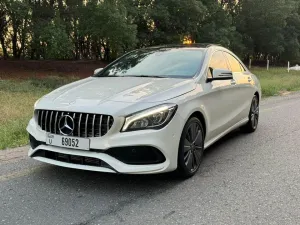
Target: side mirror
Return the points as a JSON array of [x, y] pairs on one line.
[[221, 74], [97, 70]]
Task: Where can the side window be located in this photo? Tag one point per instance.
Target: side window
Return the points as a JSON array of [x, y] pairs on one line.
[[234, 64], [217, 61]]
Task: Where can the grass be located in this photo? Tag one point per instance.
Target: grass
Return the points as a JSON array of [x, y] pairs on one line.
[[277, 80], [17, 98]]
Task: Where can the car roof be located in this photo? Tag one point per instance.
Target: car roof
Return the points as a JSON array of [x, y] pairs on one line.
[[195, 45]]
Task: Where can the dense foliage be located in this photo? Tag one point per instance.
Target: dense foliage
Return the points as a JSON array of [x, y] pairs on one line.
[[104, 29]]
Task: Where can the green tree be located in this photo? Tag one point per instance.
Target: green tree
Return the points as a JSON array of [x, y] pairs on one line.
[[105, 29], [291, 34], [55, 40], [262, 23], [43, 12], [3, 28], [168, 21], [107, 25], [18, 13]]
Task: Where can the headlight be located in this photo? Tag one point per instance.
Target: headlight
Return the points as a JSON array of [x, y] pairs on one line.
[[153, 118]]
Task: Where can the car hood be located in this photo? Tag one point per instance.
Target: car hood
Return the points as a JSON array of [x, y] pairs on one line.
[[97, 91]]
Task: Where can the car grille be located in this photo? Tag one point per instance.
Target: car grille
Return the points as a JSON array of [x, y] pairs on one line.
[[85, 124]]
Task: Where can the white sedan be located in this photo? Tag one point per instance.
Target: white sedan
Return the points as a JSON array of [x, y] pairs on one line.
[[153, 110]]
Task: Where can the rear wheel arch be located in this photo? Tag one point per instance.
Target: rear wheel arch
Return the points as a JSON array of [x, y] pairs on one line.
[[253, 116]]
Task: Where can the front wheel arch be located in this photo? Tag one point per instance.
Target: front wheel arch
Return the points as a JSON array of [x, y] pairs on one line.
[[187, 169], [258, 97], [201, 117]]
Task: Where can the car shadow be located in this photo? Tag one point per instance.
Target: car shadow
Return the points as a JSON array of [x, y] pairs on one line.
[[227, 139], [106, 194], [72, 179], [107, 182]]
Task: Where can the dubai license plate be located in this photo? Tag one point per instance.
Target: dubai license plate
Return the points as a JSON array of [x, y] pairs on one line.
[[68, 142]]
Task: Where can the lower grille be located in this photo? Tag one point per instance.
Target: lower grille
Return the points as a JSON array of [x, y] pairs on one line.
[[34, 143], [82, 124], [74, 159]]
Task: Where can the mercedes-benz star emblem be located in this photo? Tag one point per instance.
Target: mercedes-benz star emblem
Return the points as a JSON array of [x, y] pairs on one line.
[[66, 125]]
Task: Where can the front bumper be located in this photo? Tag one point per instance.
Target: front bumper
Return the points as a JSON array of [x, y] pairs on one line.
[[165, 140]]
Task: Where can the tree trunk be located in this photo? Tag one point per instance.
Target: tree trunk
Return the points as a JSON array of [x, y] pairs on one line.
[[107, 54], [76, 44], [23, 37], [5, 55], [32, 48], [76, 48], [99, 52], [81, 47], [14, 42]]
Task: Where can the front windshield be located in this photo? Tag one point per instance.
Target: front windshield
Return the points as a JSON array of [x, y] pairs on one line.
[[166, 62]]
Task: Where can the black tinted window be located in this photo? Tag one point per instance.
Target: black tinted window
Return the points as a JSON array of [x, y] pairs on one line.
[[167, 62]]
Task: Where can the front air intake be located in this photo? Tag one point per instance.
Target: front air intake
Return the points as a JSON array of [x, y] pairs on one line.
[[72, 159]]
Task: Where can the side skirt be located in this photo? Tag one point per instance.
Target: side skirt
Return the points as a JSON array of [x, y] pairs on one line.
[[237, 125]]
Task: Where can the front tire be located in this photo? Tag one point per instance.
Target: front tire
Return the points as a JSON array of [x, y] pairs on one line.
[[252, 124], [191, 148]]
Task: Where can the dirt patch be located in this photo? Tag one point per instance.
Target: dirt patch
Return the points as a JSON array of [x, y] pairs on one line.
[[284, 93], [24, 69], [13, 154]]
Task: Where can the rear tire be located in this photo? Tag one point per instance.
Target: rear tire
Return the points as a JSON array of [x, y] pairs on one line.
[[252, 124], [191, 148]]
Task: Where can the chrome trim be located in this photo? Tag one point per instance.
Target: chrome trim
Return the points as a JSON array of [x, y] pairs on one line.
[[46, 120], [107, 124], [79, 124], [62, 113], [42, 119], [38, 116], [50, 122], [86, 121], [74, 114], [100, 126], [55, 123], [93, 126]]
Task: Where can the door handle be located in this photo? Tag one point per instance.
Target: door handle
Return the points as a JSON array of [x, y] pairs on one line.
[[233, 82], [249, 79]]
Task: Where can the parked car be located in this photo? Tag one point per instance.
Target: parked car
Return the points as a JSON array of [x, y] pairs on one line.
[[153, 110], [296, 67]]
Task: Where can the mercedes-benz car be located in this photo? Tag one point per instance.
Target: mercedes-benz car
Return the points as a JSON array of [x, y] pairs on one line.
[[152, 110]]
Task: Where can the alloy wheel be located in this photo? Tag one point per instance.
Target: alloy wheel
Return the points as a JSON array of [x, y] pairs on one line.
[[193, 147], [254, 114]]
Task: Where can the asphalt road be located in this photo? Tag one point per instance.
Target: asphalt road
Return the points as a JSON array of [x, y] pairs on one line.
[[244, 179]]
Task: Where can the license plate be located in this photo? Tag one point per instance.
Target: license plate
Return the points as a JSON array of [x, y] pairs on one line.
[[68, 142]]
